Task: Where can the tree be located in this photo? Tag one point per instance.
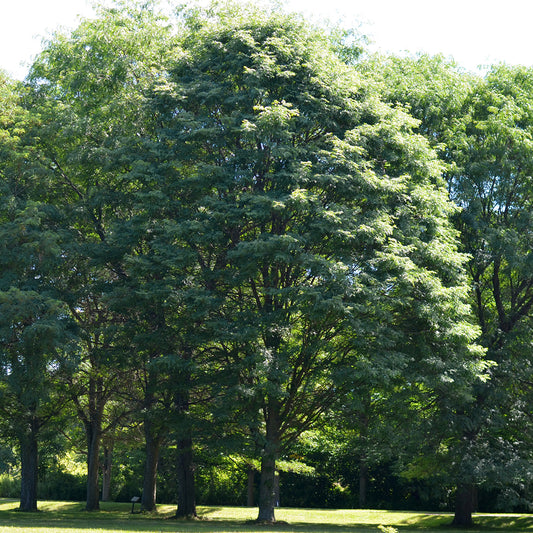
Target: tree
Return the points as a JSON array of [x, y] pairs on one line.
[[35, 330], [32, 333], [482, 129], [492, 183], [317, 217], [88, 87]]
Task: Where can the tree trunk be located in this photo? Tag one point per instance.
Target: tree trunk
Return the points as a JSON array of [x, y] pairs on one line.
[[363, 480], [363, 422], [276, 489], [184, 464], [251, 484], [29, 461], [186, 488], [465, 502], [267, 493], [153, 445], [93, 466], [106, 474], [267, 485]]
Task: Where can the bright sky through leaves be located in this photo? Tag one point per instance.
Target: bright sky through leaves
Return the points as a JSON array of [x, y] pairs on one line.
[[474, 32]]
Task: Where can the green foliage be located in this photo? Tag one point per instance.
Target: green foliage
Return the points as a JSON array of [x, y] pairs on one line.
[[221, 484], [58, 485], [89, 90], [250, 230], [9, 486], [317, 219], [482, 130]]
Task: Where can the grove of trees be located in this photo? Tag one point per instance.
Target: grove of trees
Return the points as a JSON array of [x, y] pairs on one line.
[[231, 235]]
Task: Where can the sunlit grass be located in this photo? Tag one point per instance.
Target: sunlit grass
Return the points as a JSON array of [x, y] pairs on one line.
[[70, 517]]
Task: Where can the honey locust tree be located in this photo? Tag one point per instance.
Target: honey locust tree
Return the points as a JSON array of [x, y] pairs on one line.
[[35, 330], [165, 331], [482, 128], [88, 88], [492, 183], [317, 218]]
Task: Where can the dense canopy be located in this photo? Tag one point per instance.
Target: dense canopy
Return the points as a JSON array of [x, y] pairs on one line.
[[231, 242]]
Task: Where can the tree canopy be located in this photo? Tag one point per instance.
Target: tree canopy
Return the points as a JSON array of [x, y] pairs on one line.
[[228, 222]]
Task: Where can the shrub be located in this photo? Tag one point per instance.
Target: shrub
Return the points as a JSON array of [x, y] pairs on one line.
[[9, 486], [59, 485]]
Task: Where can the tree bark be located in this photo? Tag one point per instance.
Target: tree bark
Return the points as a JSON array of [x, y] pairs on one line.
[[267, 485], [93, 465], [29, 461], [184, 463], [465, 503], [153, 446], [363, 482], [251, 483], [267, 493], [185, 473], [106, 474]]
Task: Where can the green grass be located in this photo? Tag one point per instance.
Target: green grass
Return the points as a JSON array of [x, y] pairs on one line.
[[69, 517]]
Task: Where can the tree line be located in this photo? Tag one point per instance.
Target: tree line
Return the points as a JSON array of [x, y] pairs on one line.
[[230, 226]]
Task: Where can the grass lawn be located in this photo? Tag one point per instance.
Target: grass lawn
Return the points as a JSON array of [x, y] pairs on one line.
[[69, 517]]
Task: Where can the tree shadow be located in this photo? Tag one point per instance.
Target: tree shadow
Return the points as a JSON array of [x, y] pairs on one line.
[[116, 517]]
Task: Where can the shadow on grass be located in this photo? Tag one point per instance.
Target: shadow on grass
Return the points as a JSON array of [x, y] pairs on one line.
[[71, 515], [205, 512], [164, 525], [482, 522], [505, 522], [183, 527]]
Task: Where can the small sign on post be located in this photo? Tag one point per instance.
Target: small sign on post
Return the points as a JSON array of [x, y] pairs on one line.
[[134, 500]]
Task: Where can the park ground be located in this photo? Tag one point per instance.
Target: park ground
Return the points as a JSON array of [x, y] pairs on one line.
[[70, 517]]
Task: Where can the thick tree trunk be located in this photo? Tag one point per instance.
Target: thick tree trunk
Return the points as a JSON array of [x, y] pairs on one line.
[[93, 466], [185, 474], [267, 489], [251, 485], [106, 473], [267, 485], [465, 504], [29, 462], [153, 445]]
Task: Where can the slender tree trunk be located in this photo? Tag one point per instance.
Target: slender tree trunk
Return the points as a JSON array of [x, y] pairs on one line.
[[267, 485], [276, 490], [93, 432], [152, 441], [251, 484], [465, 503], [29, 461], [363, 481], [92, 417], [106, 473], [186, 486], [362, 422], [184, 462], [153, 446]]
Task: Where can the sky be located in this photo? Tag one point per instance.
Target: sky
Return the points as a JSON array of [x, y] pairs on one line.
[[476, 33]]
